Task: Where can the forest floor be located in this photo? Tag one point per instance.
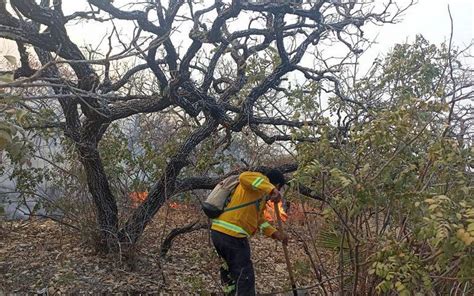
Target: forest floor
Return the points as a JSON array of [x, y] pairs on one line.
[[41, 256]]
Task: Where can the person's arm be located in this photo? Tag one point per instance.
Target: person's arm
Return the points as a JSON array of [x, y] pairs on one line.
[[265, 227], [256, 181], [268, 230]]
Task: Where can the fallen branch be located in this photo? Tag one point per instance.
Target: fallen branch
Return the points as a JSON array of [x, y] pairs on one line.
[[168, 242]]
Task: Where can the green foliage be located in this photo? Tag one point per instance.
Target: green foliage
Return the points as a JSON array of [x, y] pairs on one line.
[[419, 70], [11, 120], [399, 269], [397, 186], [399, 168], [411, 69], [301, 98], [14, 139]]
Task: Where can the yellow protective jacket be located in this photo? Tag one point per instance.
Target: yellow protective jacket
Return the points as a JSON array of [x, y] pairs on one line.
[[245, 221]]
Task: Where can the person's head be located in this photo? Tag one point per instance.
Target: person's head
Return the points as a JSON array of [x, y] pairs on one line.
[[276, 178]]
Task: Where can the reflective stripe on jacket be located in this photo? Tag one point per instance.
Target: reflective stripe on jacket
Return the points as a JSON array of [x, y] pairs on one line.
[[246, 221]]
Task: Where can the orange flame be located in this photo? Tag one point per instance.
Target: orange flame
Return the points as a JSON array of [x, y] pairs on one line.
[[269, 212], [174, 205], [137, 198]]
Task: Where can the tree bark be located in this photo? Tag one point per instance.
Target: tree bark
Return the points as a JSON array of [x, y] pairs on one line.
[[105, 204]]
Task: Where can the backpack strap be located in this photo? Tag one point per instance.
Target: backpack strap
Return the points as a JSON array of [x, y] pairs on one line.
[[243, 205]]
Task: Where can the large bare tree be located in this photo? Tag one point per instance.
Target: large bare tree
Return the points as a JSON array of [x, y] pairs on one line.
[[202, 57]]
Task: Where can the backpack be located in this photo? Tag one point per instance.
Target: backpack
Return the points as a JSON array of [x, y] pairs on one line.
[[216, 202]]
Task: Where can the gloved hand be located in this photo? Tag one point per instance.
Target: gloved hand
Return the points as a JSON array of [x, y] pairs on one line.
[[281, 236]]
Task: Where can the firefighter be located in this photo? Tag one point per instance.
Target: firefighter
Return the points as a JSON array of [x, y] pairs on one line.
[[230, 231]]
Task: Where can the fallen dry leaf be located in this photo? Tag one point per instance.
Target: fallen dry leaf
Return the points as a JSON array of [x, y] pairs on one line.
[[42, 256]]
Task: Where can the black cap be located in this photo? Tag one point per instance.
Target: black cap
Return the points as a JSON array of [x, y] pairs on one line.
[[276, 177]]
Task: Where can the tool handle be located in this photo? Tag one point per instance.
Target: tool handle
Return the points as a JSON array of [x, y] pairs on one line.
[[285, 248]]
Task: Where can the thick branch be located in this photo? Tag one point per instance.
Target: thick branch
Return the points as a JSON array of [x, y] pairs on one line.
[[139, 16], [168, 241]]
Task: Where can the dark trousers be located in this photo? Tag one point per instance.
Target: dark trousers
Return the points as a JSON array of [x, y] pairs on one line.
[[236, 253]]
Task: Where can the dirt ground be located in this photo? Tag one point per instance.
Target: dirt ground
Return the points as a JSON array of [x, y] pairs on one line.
[[41, 256]]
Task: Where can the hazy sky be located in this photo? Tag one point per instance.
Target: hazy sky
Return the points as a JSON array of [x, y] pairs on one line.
[[431, 19], [427, 17]]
